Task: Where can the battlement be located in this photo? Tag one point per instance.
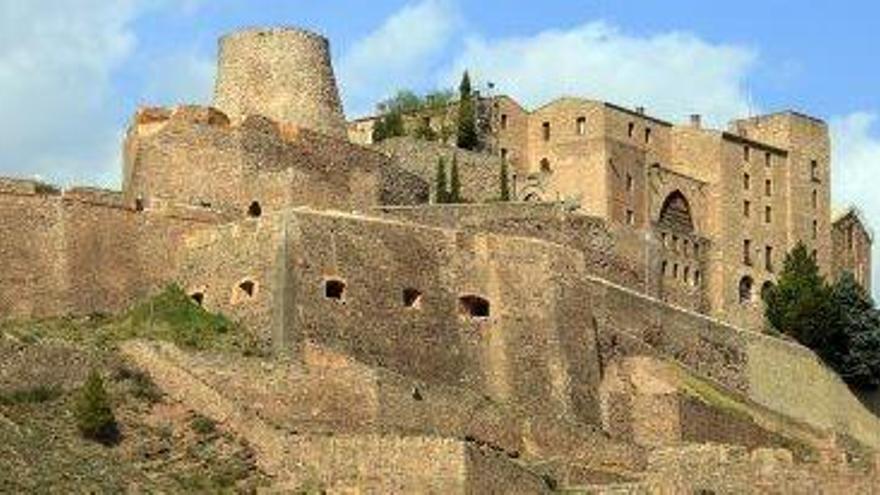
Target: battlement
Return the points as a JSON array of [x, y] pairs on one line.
[[27, 187]]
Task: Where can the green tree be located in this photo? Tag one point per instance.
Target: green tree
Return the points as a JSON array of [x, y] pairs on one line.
[[93, 413], [467, 116], [441, 194], [454, 182], [505, 182], [801, 305], [387, 126], [857, 360]]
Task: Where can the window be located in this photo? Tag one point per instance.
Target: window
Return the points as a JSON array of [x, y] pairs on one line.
[[664, 267], [581, 126], [665, 239], [768, 214], [412, 298], [334, 289], [747, 153], [768, 187], [198, 297], [768, 159], [698, 278], [546, 130], [687, 274], [675, 271], [473, 306], [747, 182], [696, 249], [248, 287], [647, 135], [629, 183], [139, 204], [630, 217], [745, 289], [685, 247], [504, 153], [747, 208], [766, 289], [631, 129], [815, 199], [814, 170], [675, 243], [503, 121], [849, 238], [747, 252], [815, 229], [768, 258], [255, 210]]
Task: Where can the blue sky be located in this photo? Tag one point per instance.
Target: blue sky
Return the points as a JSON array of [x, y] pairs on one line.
[[73, 71]]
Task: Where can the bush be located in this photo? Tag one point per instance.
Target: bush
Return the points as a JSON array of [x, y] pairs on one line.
[[202, 425], [93, 413]]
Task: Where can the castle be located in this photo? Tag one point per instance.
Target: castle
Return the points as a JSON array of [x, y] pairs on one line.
[[550, 329]]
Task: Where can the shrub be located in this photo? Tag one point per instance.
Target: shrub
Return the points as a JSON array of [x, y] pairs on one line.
[[93, 413], [32, 395], [202, 425]]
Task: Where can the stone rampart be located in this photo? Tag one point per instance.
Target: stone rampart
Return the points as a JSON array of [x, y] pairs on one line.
[[83, 250]]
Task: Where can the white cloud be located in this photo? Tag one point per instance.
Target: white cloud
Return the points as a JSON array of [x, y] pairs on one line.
[[400, 54], [856, 159], [672, 74], [184, 77], [56, 63]]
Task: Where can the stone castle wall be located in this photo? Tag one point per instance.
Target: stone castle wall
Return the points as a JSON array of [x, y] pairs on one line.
[[83, 251], [532, 348], [284, 74]]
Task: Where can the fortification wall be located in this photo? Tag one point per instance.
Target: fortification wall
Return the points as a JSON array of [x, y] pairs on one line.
[[284, 74], [611, 252], [480, 173], [773, 373], [192, 155], [394, 295], [83, 251]]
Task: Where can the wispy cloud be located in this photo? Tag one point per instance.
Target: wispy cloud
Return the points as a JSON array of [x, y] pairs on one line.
[[673, 74], [401, 53]]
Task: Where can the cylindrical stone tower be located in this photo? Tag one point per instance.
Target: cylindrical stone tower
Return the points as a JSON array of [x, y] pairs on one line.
[[281, 73]]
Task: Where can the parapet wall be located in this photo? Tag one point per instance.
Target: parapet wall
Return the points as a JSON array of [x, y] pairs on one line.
[[82, 251]]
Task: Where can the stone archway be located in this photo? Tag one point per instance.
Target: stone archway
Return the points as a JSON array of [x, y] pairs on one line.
[[676, 214]]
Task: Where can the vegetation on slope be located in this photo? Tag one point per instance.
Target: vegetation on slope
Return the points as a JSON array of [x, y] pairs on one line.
[[76, 417], [838, 321]]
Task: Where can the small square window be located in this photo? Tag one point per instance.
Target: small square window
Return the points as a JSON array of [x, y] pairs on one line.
[[503, 121]]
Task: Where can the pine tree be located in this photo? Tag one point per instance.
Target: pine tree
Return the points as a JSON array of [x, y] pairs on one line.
[[441, 194], [800, 305], [467, 117], [455, 183], [94, 416], [505, 182], [857, 359]]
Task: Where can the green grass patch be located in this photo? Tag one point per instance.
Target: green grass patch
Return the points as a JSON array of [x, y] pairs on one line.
[[170, 315], [30, 395]]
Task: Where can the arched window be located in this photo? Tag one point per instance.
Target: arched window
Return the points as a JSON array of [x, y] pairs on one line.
[[676, 213], [532, 198], [255, 210], [745, 289]]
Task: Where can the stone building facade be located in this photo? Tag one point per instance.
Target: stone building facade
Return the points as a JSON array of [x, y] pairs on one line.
[[851, 246]]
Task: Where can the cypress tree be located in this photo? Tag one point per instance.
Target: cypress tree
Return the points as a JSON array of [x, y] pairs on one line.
[[505, 184], [94, 416], [855, 355], [441, 194], [454, 183], [801, 306], [467, 119]]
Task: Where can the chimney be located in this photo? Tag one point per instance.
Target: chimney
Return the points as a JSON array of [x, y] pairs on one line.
[[696, 121], [640, 110]]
